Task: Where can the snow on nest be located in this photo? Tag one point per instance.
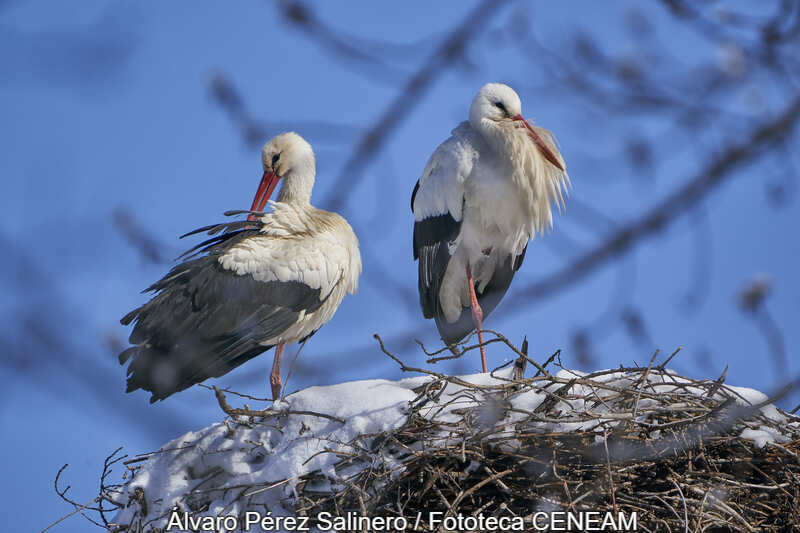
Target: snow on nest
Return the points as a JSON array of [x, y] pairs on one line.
[[205, 472]]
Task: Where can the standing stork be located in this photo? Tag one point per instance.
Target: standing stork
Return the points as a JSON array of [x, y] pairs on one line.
[[484, 193], [266, 281]]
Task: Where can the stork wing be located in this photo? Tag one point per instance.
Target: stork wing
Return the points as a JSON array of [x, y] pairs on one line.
[[440, 189], [437, 203], [213, 312]]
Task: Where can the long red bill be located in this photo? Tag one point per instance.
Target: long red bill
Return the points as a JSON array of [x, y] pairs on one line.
[[546, 152], [265, 188]]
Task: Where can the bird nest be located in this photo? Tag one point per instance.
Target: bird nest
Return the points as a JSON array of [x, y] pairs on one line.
[[679, 454], [638, 446]]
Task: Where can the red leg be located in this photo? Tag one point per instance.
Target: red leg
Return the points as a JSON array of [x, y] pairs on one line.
[[477, 315], [275, 376]]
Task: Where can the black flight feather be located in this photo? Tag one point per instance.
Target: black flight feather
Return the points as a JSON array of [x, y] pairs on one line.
[[205, 320], [432, 239]]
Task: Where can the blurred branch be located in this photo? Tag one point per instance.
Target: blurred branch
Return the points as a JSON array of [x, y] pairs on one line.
[[781, 187], [383, 279], [255, 132], [91, 57], [144, 243], [39, 340], [410, 96], [772, 333], [332, 41], [697, 293], [752, 301]]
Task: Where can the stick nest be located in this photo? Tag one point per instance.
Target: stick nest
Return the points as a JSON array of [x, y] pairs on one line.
[[628, 440], [683, 454]]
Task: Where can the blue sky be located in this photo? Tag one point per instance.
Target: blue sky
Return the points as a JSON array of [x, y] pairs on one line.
[[137, 129]]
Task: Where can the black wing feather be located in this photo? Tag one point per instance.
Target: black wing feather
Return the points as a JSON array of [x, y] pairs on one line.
[[520, 258], [432, 239], [414, 195], [204, 320]]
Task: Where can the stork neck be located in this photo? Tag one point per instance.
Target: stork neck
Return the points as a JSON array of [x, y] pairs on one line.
[[496, 134], [296, 188]]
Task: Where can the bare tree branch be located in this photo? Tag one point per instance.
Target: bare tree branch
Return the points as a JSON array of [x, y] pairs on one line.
[[302, 16], [254, 131], [411, 95], [149, 248]]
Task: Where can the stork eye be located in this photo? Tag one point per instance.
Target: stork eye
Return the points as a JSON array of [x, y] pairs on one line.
[[502, 107], [275, 158]]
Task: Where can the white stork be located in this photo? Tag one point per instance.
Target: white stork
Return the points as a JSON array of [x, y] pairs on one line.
[[274, 278], [484, 193]]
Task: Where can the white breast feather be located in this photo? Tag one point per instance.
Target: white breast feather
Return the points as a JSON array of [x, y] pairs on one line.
[[541, 183], [303, 244]]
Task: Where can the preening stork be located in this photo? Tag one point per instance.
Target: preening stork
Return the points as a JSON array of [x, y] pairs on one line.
[[484, 193], [272, 279]]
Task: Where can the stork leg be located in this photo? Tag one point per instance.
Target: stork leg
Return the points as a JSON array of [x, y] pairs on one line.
[[477, 314], [275, 376]]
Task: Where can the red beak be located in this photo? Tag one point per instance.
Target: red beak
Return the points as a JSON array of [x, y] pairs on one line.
[[546, 152], [265, 188]]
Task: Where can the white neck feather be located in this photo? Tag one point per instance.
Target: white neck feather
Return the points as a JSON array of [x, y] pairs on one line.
[[297, 186], [300, 168], [540, 181]]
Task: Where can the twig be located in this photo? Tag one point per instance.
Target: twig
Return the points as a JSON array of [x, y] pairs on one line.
[[291, 367], [231, 411], [76, 511], [610, 474]]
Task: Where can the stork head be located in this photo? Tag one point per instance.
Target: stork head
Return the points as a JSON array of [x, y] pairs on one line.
[[497, 109], [286, 157], [495, 102]]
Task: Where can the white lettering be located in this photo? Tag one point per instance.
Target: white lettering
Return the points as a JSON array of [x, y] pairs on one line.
[[540, 521], [175, 520], [268, 523], [628, 526], [352, 521], [250, 518], [608, 523], [325, 523]]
